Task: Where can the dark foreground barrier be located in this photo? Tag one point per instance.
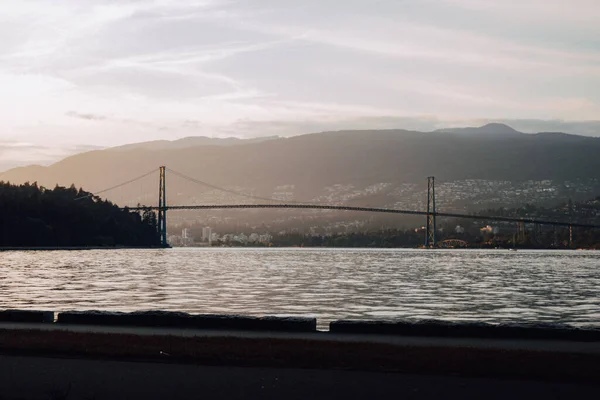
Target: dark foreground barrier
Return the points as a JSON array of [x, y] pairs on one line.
[[185, 320], [424, 328], [26, 316], [434, 328]]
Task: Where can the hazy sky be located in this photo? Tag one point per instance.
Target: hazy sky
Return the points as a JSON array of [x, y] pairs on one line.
[[79, 73]]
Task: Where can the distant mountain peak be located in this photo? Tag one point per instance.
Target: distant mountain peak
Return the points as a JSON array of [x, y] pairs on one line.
[[493, 128]]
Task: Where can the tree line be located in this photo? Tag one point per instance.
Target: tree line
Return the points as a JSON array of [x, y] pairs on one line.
[[504, 234], [34, 216]]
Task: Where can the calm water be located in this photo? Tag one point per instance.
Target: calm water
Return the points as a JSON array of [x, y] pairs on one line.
[[493, 286]]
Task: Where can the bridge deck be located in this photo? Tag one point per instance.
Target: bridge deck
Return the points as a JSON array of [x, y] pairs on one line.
[[366, 209]]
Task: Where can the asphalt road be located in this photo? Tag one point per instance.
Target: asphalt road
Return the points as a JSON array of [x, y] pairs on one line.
[[56, 378]]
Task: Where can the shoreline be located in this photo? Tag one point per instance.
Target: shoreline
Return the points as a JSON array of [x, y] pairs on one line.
[[79, 248], [76, 248]]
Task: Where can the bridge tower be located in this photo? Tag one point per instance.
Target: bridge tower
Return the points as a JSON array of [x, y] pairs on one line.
[[162, 207], [430, 232]]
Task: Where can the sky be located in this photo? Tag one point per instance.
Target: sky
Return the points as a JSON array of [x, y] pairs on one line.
[[80, 75]]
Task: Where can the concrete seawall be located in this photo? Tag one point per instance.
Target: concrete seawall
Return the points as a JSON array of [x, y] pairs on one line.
[[162, 319], [406, 328], [548, 352], [435, 328], [33, 316], [185, 320]]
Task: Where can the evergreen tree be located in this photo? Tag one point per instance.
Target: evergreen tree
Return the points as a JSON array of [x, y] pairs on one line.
[[33, 216]]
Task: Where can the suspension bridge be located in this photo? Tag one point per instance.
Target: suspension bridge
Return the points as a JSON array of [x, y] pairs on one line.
[[270, 203]]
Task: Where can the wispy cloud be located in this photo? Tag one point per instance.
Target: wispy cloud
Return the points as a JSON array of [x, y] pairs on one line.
[[107, 72], [547, 11], [86, 116], [448, 45], [14, 154]]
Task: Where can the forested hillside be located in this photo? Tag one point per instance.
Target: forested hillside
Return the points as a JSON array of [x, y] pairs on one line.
[[310, 165], [33, 216]]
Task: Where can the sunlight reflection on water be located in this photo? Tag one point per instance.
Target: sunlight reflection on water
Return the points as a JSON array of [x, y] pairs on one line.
[[457, 285]]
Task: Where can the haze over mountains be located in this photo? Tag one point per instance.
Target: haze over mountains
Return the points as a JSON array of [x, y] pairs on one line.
[[191, 141], [490, 165]]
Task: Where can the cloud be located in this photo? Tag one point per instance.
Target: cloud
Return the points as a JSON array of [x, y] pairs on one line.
[[107, 73], [113, 120], [89, 117], [453, 46], [544, 11], [15, 154]]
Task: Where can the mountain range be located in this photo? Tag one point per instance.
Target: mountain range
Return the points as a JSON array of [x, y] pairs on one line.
[[375, 167], [192, 141]]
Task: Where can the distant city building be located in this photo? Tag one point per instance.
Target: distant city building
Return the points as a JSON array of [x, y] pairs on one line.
[[206, 234], [186, 237]]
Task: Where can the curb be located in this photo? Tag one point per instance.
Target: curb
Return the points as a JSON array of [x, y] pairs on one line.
[[34, 316], [185, 320], [434, 328]]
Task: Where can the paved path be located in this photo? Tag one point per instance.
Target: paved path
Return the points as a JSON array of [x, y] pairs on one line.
[[95, 368], [55, 378]]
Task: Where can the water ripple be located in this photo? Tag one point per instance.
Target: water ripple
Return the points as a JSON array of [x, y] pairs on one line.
[[458, 285]]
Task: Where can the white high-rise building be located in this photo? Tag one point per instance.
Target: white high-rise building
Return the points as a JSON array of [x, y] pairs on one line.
[[186, 237], [207, 234]]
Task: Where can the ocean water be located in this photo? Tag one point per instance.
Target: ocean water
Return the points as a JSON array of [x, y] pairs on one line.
[[456, 285]]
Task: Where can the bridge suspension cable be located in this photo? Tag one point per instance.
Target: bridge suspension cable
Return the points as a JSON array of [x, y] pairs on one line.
[[117, 186], [304, 205], [242, 194]]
